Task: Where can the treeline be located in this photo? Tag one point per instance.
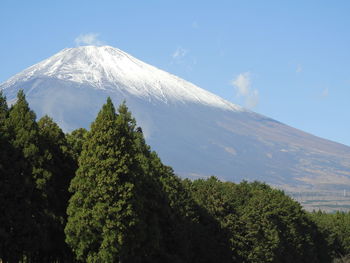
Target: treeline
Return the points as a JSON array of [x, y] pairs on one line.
[[103, 196]]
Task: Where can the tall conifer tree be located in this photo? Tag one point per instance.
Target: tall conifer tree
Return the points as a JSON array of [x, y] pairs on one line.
[[106, 212], [18, 228], [37, 178], [3, 108], [58, 167]]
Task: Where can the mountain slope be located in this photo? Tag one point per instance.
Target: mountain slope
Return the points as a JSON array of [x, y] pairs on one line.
[[195, 131]]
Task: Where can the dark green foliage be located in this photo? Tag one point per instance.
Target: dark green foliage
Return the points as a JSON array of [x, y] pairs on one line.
[[217, 199], [106, 193], [215, 217], [3, 108], [277, 229], [125, 205], [263, 224], [36, 171], [76, 140], [58, 167], [137, 209], [15, 219], [22, 134], [335, 229], [23, 127], [189, 233]]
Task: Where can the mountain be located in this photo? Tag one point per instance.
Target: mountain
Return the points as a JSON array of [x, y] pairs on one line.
[[196, 132]]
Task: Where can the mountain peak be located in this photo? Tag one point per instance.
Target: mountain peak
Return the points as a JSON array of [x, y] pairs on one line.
[[194, 131], [109, 68]]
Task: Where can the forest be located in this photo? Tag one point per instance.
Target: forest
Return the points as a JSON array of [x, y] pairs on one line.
[[102, 195]]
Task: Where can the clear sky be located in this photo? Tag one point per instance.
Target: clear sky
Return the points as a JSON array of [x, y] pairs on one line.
[[289, 60]]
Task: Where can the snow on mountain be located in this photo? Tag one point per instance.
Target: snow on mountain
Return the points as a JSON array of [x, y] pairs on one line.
[[196, 132], [109, 68]]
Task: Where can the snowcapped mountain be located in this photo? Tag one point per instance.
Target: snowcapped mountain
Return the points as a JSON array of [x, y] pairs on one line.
[[111, 69], [193, 130]]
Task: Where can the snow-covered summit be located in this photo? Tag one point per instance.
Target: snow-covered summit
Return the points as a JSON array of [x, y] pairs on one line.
[[109, 68]]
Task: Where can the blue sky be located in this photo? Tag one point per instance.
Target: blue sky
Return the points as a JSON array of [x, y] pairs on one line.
[[289, 60]]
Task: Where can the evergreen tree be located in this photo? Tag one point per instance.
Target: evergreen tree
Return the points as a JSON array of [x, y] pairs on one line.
[[261, 224], [75, 141], [216, 199], [335, 229], [184, 235], [170, 205], [7, 197], [59, 168], [277, 229], [43, 178], [106, 212], [3, 108], [18, 224]]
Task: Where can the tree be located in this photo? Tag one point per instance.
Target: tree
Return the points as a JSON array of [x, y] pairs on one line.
[[59, 167], [335, 229], [216, 200], [277, 229], [3, 108], [106, 212], [261, 224], [19, 230], [43, 170], [10, 227], [75, 140]]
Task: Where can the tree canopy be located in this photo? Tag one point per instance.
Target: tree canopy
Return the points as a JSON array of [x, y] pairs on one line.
[[102, 195]]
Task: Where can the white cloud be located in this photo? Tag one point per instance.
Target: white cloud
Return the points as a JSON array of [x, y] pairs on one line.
[[242, 85], [179, 53], [182, 58], [195, 25], [253, 99], [299, 69], [88, 39], [325, 93]]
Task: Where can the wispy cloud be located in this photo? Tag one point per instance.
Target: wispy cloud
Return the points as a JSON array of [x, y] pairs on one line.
[[325, 93], [242, 85], [252, 100], [299, 69], [182, 58], [179, 53], [88, 39], [195, 25]]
